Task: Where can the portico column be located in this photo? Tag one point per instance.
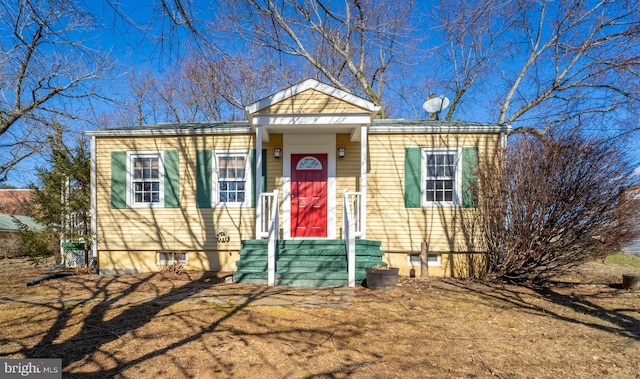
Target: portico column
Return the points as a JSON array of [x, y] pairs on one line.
[[258, 180], [363, 180], [94, 202]]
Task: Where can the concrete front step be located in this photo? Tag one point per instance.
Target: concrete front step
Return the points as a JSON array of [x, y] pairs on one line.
[[303, 279], [309, 263]]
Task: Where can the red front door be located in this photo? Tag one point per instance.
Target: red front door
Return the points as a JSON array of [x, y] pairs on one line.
[[309, 195]]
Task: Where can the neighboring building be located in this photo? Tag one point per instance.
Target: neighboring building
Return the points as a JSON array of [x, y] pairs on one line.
[[198, 194], [9, 229], [12, 201], [12, 204]]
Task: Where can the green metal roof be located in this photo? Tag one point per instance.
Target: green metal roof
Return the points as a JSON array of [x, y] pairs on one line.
[[243, 127], [8, 223], [398, 122], [176, 129]]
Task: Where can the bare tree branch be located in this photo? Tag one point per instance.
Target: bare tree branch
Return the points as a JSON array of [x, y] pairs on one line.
[[44, 64]]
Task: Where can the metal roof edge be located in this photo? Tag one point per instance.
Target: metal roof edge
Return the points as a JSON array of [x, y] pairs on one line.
[[179, 129]]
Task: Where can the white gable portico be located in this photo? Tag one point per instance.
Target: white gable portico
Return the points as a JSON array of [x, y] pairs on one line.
[[309, 116]]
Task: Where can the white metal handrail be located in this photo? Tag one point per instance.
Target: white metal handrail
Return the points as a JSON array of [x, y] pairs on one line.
[[268, 201], [269, 228], [349, 232], [355, 206]]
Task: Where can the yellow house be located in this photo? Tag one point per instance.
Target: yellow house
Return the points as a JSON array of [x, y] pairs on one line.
[[311, 176]]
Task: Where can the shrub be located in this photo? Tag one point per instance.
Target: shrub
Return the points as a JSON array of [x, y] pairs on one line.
[[553, 204]]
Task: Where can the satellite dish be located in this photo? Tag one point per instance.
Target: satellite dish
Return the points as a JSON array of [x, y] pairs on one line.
[[436, 105]]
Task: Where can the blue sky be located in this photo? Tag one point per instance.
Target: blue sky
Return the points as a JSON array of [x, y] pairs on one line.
[[138, 50]]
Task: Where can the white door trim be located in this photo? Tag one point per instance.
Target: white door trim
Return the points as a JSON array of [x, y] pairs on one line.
[[301, 144]]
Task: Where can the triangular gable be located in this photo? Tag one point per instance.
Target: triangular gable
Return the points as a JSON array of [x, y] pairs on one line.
[[311, 97]]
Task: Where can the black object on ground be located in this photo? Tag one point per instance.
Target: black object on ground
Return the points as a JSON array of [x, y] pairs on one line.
[[50, 276]]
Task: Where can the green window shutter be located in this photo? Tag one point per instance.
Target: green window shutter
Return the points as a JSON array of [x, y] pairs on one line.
[[469, 177], [412, 171], [171, 179], [254, 163], [203, 178], [118, 179]]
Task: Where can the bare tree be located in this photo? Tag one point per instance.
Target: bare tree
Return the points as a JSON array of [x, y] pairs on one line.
[[352, 43], [471, 31], [554, 204], [197, 88], [551, 63], [46, 72]]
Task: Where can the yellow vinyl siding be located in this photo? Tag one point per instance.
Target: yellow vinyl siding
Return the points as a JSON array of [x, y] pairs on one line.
[[121, 232], [310, 101], [447, 229], [130, 238], [347, 174], [274, 166], [146, 260]]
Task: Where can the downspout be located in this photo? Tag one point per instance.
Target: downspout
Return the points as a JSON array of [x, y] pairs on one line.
[[94, 204]]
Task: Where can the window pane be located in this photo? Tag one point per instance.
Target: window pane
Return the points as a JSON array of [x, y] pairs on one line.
[[441, 174], [146, 179], [231, 178], [450, 159], [448, 196]]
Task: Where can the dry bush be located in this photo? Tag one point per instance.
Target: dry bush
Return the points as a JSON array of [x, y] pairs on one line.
[[553, 204]]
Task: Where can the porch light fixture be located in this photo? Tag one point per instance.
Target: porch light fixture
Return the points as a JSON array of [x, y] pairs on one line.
[[341, 152], [276, 152]]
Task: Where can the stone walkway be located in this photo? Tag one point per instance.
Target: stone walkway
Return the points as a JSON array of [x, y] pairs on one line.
[[270, 296]]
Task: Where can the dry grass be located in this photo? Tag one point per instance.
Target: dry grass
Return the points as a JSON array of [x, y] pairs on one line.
[[162, 325]]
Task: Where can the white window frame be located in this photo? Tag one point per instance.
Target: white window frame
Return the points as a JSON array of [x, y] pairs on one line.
[[248, 173], [457, 178], [172, 260], [131, 155], [412, 263]]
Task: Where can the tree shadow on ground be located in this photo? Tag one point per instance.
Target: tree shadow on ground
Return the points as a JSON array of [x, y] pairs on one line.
[[138, 302], [624, 321]]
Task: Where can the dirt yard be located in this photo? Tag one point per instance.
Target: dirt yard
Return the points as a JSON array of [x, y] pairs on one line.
[[193, 325]]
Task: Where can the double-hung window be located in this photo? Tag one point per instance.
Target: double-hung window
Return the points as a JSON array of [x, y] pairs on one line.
[[232, 183], [146, 184], [441, 176]]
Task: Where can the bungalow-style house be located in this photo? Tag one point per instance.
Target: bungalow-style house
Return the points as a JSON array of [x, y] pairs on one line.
[[309, 190]]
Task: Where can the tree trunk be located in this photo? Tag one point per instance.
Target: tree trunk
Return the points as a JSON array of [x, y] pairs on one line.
[[424, 263], [631, 282]]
